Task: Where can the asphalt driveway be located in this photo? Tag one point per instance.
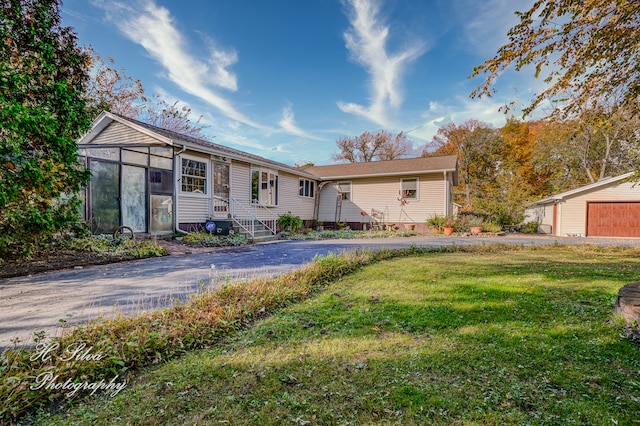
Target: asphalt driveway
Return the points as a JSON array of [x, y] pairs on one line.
[[52, 300]]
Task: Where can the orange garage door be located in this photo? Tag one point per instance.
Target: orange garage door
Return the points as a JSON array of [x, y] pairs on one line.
[[613, 219]]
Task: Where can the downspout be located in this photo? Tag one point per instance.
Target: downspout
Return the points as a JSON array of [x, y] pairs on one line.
[[447, 210], [176, 157]]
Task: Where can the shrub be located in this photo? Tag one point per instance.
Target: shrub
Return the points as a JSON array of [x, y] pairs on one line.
[[491, 227], [288, 221], [531, 228], [436, 221], [207, 240]]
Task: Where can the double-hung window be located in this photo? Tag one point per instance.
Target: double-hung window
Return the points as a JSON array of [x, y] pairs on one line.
[[345, 188], [194, 176], [307, 188], [409, 188]]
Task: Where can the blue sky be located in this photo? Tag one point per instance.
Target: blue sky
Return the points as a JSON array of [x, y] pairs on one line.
[[285, 79]]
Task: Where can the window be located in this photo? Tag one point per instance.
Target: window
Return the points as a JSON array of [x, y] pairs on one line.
[[194, 176], [160, 181], [307, 188], [345, 188], [264, 187], [409, 188]]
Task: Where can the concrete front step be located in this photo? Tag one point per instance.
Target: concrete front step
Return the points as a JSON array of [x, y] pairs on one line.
[[265, 238], [261, 234]]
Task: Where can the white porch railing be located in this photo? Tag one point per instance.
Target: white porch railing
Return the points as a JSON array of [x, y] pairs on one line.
[[245, 214]]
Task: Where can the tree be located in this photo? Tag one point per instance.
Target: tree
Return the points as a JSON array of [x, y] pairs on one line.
[[369, 147], [395, 147], [43, 111], [477, 145], [172, 117], [113, 90], [605, 140], [591, 47]]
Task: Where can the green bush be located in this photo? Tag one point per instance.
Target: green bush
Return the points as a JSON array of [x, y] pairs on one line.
[[288, 221], [530, 228], [208, 240], [491, 227]]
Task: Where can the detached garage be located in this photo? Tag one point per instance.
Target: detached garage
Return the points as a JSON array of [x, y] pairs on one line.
[[607, 208]]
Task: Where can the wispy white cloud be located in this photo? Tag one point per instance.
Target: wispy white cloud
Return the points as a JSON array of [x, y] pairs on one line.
[[152, 26], [366, 41], [288, 124], [484, 24]]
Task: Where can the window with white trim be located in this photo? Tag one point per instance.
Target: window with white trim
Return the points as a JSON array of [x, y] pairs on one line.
[[307, 188], [194, 176], [409, 188], [345, 188]]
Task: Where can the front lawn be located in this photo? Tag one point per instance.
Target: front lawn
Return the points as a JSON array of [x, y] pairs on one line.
[[525, 336]]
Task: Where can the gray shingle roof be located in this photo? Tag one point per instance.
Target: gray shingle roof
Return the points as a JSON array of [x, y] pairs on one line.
[[234, 153], [387, 168]]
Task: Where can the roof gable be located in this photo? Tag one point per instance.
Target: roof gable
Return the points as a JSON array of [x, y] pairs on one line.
[[173, 138], [595, 185]]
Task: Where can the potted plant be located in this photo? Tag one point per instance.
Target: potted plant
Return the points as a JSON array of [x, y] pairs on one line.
[[449, 225], [475, 225], [436, 223]]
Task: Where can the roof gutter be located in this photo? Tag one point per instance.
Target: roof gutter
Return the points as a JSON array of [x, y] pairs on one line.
[[409, 173]]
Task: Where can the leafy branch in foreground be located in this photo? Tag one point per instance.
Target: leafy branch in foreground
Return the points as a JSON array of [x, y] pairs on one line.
[[591, 50]]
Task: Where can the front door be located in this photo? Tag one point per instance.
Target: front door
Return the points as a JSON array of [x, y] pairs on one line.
[[221, 188], [134, 198]]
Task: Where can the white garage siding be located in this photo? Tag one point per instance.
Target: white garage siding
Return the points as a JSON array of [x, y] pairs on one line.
[[572, 212], [543, 214]]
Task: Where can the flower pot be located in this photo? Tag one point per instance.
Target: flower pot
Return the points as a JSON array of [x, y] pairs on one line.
[[448, 231], [435, 230], [410, 226], [476, 230]]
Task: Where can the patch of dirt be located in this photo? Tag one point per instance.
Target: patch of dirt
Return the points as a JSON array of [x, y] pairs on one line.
[[58, 260], [69, 259]]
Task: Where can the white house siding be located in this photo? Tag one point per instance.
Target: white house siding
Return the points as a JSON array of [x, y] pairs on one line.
[[381, 193], [119, 134], [193, 208], [289, 199], [240, 180], [572, 212]]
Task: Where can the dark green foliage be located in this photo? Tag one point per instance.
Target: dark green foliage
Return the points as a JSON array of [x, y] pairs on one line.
[[530, 228], [289, 221], [42, 112]]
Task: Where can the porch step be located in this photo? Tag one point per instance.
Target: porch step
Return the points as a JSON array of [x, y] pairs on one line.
[[261, 234]]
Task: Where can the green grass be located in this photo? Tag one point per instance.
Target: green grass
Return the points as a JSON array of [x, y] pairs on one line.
[[524, 336]]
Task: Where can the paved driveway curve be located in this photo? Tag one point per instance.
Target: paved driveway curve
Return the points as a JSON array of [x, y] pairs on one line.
[[48, 301]]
